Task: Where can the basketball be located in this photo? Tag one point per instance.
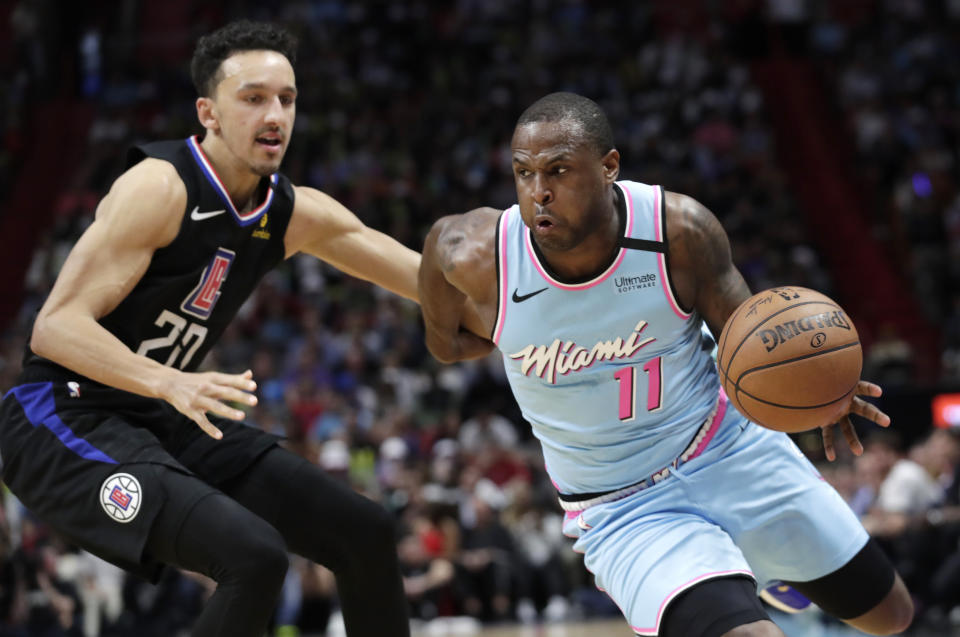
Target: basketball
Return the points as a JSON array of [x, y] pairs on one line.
[[789, 359]]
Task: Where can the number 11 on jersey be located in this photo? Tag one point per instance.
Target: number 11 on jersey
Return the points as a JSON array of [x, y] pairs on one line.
[[627, 378]]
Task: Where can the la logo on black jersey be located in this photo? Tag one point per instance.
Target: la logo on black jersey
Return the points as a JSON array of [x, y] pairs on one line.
[[200, 301]]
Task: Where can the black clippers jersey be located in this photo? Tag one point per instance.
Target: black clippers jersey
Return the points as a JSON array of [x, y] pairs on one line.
[[194, 286]]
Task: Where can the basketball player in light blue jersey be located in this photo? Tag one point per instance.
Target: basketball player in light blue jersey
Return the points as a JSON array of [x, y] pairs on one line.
[[595, 291]]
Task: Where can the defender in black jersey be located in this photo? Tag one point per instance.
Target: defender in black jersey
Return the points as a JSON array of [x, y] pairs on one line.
[[114, 439]]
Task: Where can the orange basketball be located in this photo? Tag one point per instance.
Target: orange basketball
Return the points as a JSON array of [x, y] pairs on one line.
[[789, 359]]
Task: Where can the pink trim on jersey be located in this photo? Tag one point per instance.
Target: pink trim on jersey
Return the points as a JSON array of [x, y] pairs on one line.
[[714, 425], [567, 517], [655, 629], [658, 213], [595, 281], [217, 183], [502, 310]]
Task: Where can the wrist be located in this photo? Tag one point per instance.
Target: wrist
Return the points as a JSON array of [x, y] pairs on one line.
[[160, 381]]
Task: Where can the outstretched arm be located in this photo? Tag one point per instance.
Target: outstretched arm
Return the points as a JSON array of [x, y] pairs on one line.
[[323, 227], [458, 285]]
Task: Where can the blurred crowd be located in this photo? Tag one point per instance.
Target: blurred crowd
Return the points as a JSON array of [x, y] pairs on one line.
[[405, 114], [901, 103]]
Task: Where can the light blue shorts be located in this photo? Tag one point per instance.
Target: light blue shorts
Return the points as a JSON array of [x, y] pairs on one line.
[[750, 504]]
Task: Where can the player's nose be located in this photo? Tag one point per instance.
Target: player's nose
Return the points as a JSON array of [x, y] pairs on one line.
[[275, 112], [542, 193]]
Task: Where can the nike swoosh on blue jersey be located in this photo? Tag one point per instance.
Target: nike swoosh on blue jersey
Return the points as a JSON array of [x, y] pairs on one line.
[[520, 298]]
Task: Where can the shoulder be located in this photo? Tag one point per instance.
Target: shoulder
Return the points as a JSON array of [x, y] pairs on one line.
[[685, 216], [693, 232], [150, 195], [314, 206], [465, 238], [156, 179], [462, 248], [317, 217], [145, 205]]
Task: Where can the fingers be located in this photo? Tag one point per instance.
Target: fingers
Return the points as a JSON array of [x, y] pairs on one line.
[[828, 447], [242, 381], [230, 388], [207, 404], [207, 426], [869, 411], [230, 394], [851, 435], [219, 390], [866, 388]]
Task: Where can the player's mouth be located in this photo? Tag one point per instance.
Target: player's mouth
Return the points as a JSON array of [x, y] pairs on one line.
[[271, 141], [543, 220]]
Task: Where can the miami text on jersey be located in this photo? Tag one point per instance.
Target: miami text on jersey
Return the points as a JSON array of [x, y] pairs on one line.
[[563, 357]]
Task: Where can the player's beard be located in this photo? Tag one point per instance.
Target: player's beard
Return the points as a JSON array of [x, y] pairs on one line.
[[265, 169]]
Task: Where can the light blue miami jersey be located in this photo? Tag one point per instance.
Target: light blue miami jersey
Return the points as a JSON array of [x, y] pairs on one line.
[[614, 376]]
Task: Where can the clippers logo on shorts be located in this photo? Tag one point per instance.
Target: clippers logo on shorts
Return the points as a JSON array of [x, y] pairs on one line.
[[120, 497], [201, 300]]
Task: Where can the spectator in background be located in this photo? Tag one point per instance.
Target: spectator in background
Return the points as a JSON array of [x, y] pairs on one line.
[[486, 429], [13, 603], [890, 359], [901, 517], [425, 553], [486, 566], [536, 527], [914, 484]]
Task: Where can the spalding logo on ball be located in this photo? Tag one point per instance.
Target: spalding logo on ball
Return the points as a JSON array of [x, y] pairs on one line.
[[120, 497], [789, 359]]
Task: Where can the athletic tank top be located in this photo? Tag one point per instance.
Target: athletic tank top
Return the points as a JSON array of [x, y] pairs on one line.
[[194, 286], [613, 375]]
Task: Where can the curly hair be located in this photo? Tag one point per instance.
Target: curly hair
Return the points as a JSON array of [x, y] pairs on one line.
[[242, 35], [558, 107]]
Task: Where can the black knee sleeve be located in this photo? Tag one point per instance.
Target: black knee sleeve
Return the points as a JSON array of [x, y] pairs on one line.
[[855, 587], [713, 607]]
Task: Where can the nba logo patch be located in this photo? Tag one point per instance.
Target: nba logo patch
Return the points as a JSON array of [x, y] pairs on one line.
[[120, 497]]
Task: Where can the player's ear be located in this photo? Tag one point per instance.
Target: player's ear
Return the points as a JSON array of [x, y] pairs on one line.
[[207, 113], [611, 165]]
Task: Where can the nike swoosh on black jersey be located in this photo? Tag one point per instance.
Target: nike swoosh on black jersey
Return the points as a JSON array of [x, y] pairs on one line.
[[518, 298], [196, 215]]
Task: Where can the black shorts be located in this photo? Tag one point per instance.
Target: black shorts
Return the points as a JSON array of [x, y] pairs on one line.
[[90, 461]]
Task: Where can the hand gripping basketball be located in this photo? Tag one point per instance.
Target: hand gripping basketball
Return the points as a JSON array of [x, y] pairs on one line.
[[790, 359]]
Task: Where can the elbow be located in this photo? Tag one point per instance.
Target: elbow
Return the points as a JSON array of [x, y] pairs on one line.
[[41, 337], [442, 349], [48, 334]]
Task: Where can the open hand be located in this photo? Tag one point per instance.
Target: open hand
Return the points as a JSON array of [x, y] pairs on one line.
[[195, 394], [861, 408]]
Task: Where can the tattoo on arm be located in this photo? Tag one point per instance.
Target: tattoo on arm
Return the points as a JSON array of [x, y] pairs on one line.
[[704, 264]]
